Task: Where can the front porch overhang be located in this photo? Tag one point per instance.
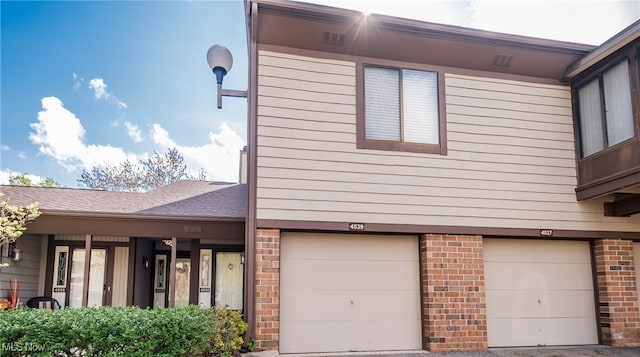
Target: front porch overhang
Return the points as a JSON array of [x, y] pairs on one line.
[[59, 222], [64, 228]]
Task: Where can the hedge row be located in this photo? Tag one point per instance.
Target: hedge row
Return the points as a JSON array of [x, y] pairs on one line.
[[121, 331]]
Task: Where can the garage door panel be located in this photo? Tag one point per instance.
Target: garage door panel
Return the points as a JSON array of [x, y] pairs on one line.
[[540, 304], [342, 292], [363, 336], [340, 247], [540, 251], [538, 276], [348, 275], [349, 305], [539, 292], [541, 332]]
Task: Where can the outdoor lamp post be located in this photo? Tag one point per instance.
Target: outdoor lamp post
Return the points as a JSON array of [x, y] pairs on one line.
[[220, 62]]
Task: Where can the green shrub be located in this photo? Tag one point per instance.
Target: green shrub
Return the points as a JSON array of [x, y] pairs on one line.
[[229, 330], [120, 331]]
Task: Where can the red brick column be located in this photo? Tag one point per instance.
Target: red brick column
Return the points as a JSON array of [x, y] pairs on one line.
[[452, 278], [617, 294], [267, 320]]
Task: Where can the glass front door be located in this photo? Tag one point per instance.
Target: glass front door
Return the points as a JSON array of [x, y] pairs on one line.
[[96, 277], [161, 281]]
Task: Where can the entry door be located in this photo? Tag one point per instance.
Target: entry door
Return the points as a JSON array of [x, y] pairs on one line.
[[97, 272], [229, 280], [204, 277], [161, 281], [60, 275], [183, 278]]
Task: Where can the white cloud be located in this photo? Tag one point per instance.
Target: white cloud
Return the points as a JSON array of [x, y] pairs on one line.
[[7, 173], [4, 148], [133, 131], [77, 81], [61, 136], [219, 158], [100, 91]]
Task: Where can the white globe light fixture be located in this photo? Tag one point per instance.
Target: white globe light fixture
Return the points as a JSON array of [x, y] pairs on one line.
[[220, 61]]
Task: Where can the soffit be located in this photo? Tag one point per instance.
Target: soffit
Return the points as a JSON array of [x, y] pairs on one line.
[[305, 26]]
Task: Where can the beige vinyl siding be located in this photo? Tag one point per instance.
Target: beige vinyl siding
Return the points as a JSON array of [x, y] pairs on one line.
[[510, 161]]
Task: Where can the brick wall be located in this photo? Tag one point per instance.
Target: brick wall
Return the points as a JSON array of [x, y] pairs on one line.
[[617, 294], [452, 278], [267, 319]]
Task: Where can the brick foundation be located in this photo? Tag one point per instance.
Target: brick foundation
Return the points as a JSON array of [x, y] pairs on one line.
[[617, 294], [452, 278], [267, 319]]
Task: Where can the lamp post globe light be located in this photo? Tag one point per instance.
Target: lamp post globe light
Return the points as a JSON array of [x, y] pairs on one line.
[[220, 61]]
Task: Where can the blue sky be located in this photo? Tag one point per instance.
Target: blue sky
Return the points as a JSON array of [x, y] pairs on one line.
[[84, 82], [91, 82]]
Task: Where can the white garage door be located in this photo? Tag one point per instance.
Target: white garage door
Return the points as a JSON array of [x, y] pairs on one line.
[[348, 292], [539, 293]]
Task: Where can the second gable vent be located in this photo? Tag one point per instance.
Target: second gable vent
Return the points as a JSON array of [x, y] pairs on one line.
[[332, 38], [502, 60]]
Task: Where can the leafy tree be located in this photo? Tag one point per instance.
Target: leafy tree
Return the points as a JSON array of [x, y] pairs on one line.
[[14, 219], [158, 170], [23, 180], [49, 182], [20, 180]]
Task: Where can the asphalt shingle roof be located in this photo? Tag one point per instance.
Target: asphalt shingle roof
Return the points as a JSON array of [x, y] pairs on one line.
[[183, 198]]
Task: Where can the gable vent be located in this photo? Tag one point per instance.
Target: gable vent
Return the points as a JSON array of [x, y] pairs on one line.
[[332, 38], [502, 60]]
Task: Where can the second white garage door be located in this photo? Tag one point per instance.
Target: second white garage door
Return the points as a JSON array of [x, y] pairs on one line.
[[349, 292], [539, 292]]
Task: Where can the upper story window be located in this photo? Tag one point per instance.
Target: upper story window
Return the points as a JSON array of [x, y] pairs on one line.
[[401, 110], [605, 109]]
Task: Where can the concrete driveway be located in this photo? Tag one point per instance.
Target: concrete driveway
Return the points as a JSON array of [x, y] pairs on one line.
[[580, 351]]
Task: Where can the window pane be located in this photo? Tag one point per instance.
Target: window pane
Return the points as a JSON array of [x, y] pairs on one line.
[[420, 106], [617, 102], [382, 103], [590, 118]]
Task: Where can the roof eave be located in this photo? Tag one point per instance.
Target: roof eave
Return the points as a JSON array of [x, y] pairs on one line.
[[610, 46], [137, 216], [481, 36], [302, 9]]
